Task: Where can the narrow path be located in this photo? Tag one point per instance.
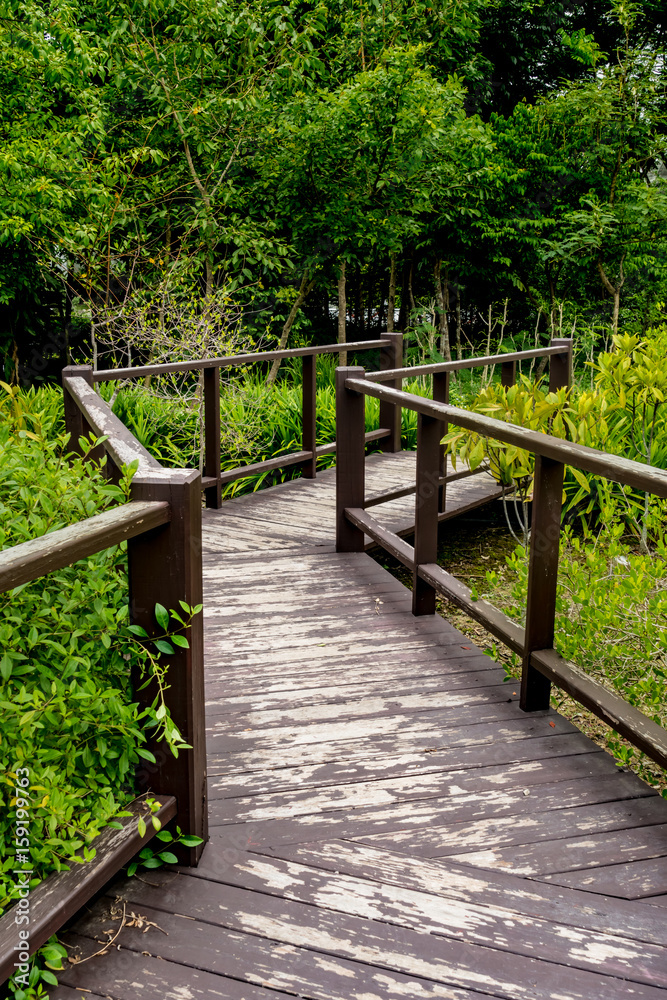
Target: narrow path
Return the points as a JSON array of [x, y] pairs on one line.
[[385, 821]]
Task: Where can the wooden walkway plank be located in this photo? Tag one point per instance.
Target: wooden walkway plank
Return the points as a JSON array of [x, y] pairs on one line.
[[569, 854], [445, 841], [396, 816], [308, 931], [346, 772], [630, 880], [567, 906], [471, 920]]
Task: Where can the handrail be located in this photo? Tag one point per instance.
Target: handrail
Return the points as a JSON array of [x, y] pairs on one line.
[[455, 366], [614, 467], [233, 360], [121, 444], [541, 664], [29, 560], [123, 448], [55, 900]]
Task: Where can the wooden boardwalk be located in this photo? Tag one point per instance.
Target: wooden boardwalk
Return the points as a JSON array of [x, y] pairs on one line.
[[385, 821]]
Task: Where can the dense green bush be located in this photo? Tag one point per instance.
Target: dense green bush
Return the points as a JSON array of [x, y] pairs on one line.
[[66, 656]]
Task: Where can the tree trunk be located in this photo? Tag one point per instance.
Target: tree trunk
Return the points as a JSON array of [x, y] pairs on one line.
[[391, 298], [441, 311], [614, 291], [403, 312], [342, 310], [304, 288], [459, 349]]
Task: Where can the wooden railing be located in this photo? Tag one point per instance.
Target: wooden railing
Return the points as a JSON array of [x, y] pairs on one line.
[[162, 527], [390, 346], [541, 664]]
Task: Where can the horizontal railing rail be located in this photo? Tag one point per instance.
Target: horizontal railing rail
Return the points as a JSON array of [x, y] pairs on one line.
[[127, 448], [59, 897], [534, 642], [464, 363], [233, 360], [29, 560]]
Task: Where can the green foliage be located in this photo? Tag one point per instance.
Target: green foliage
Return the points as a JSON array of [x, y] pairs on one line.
[[258, 421], [611, 619], [623, 414], [71, 734]]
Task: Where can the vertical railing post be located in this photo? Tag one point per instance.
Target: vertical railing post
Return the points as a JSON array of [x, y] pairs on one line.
[[429, 433], [350, 458], [508, 373], [560, 365], [391, 356], [213, 493], [544, 551], [542, 579], [309, 414], [75, 423], [165, 567], [441, 395]]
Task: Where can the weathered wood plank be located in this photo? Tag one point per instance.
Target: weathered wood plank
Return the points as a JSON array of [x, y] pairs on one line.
[[238, 966], [443, 878], [412, 814], [570, 854], [403, 950], [631, 880], [531, 829], [473, 920], [384, 791], [420, 762], [365, 749]]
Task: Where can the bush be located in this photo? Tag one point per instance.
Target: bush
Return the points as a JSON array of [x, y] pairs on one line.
[[67, 654], [611, 619]]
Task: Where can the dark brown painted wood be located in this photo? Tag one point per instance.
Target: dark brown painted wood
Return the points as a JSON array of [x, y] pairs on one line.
[[612, 467], [390, 542], [63, 893], [542, 579], [429, 459], [441, 395], [76, 424], [641, 731], [567, 906], [212, 493], [391, 357], [235, 360], [560, 365], [165, 567], [508, 373], [454, 366], [309, 411], [481, 611], [350, 468], [121, 443], [39, 556]]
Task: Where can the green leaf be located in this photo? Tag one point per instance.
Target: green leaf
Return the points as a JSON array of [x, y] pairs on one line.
[[141, 826], [164, 646], [180, 640], [168, 857], [162, 617]]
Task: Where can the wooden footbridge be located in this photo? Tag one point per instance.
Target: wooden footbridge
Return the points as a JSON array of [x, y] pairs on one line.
[[387, 817]]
